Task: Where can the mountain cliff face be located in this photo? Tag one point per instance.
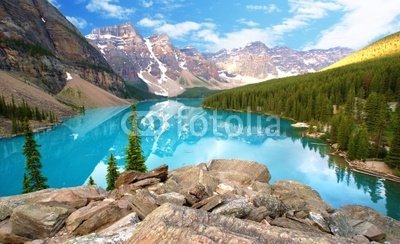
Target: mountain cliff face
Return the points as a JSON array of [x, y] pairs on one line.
[[164, 68], [256, 62], [39, 42], [168, 70]]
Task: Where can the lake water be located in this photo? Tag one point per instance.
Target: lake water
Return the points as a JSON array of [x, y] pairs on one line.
[[180, 133]]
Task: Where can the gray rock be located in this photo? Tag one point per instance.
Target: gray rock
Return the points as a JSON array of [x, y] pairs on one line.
[[37, 221], [178, 224], [188, 177], [171, 197], [236, 208], [143, 203], [121, 191], [146, 182], [6, 236], [199, 191], [160, 173], [388, 225], [300, 198], [209, 203], [295, 224], [94, 216], [359, 239], [126, 178], [190, 199], [170, 186], [75, 197], [275, 207], [224, 188], [339, 225], [240, 171], [258, 214], [319, 221], [258, 186], [370, 231]]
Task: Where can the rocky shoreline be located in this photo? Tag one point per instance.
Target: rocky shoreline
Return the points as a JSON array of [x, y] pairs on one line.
[[222, 201], [357, 165]]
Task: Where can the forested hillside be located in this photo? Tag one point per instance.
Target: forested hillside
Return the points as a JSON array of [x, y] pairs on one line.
[[352, 100], [383, 47]]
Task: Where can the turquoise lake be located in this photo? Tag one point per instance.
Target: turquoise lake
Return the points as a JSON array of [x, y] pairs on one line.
[[180, 133]]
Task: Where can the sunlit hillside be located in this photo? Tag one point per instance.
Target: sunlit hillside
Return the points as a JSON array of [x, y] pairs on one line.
[[386, 46]]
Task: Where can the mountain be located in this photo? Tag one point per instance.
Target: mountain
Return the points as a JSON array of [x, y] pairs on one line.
[[386, 46], [169, 71], [47, 64], [37, 41], [165, 69], [256, 62]]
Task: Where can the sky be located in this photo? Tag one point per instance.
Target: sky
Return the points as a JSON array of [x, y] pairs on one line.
[[211, 25]]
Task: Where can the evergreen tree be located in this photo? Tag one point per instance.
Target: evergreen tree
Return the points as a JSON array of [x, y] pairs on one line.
[[350, 102], [91, 181], [134, 157], [393, 159], [352, 149], [344, 131], [359, 144], [25, 185], [363, 144], [33, 179], [112, 173]]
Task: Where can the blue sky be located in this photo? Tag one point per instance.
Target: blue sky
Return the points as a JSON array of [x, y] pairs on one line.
[[213, 25]]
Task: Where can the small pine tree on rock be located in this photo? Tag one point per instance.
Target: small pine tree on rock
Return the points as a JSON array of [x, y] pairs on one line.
[[91, 182], [134, 156], [112, 173], [33, 179]]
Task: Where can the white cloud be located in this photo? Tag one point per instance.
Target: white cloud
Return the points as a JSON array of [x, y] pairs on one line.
[[239, 39], [146, 22], [206, 35], [304, 12], [55, 3], [109, 9], [80, 23], [247, 22], [362, 22], [147, 4], [267, 8], [170, 5], [179, 30]]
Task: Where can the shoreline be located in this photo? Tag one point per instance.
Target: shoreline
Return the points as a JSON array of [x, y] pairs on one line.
[[370, 167]]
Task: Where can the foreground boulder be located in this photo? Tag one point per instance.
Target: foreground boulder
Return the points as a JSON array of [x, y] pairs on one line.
[[74, 197], [383, 224], [94, 216], [300, 198], [182, 225], [37, 221]]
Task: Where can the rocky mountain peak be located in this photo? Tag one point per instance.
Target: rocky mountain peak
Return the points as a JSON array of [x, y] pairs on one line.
[[58, 47], [256, 45], [190, 51], [256, 62], [165, 69]]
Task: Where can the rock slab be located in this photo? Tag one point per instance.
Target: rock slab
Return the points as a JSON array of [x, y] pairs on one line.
[[37, 221], [178, 224]]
